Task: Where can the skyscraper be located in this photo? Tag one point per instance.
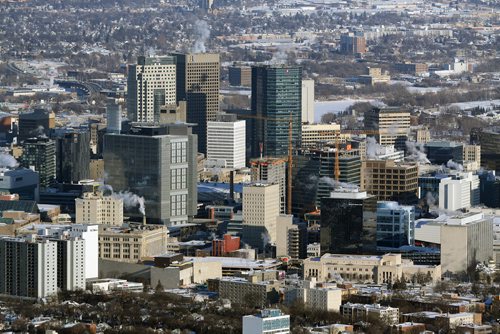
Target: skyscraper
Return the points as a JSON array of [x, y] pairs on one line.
[[40, 153], [348, 222], [150, 85], [198, 82], [157, 162], [276, 99], [72, 155], [226, 141]]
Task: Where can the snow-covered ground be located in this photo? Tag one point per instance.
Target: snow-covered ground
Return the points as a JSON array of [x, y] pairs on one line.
[[488, 105], [323, 107]]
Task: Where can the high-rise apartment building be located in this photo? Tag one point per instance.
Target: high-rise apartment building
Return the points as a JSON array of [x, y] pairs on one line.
[[226, 141], [276, 100], [261, 208], [390, 181], [392, 126], [36, 123], [70, 263], [348, 222], [395, 225], [151, 84], [28, 268], [95, 208], [72, 155], [198, 82], [273, 171], [157, 162], [40, 154], [87, 233], [308, 101]]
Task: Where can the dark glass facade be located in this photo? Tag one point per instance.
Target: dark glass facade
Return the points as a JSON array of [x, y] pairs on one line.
[[276, 99], [72, 155], [41, 154], [159, 164], [348, 224]]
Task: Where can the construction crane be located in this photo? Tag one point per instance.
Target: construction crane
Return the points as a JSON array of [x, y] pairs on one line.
[[336, 171], [289, 158]]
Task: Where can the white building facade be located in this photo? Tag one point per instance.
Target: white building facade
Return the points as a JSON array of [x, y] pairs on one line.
[[270, 321], [226, 142]]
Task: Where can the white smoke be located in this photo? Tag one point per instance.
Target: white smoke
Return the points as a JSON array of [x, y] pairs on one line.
[[416, 152], [454, 165], [202, 33], [337, 184], [8, 161], [431, 200], [279, 57], [266, 239], [372, 148], [131, 200], [39, 132]]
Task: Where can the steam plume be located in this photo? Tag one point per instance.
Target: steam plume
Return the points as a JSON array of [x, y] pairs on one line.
[[454, 165], [337, 184], [202, 33], [372, 148], [131, 200], [7, 160], [416, 152]]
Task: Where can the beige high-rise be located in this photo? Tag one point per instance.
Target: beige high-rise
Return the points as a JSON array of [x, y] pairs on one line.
[[389, 180], [261, 206], [392, 125], [94, 208], [198, 83], [150, 85]]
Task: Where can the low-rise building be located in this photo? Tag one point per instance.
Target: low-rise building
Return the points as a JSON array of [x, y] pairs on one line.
[[113, 284], [186, 272], [269, 321], [133, 243], [445, 321], [365, 268], [240, 291], [321, 298], [364, 312]]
